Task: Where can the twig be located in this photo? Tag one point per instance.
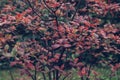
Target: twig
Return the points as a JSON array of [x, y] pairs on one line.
[[89, 71], [76, 10], [57, 75], [44, 77], [53, 74], [35, 74], [11, 75], [116, 74], [66, 76], [49, 75], [56, 19], [59, 60], [48, 8], [52, 12], [33, 8]]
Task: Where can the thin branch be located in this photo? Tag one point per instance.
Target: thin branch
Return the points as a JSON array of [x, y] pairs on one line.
[[28, 72], [48, 8], [35, 74], [53, 75], [59, 60], [89, 71], [57, 75], [61, 55], [49, 75], [76, 10], [66, 76], [10, 72], [11, 75], [33, 8], [56, 19], [52, 12], [44, 77]]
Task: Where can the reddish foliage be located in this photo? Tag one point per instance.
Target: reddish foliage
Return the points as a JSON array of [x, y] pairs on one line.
[[54, 36]]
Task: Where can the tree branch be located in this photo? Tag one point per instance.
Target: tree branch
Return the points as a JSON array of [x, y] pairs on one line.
[[32, 8], [76, 10]]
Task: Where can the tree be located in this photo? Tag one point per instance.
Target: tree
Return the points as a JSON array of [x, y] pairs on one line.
[[54, 36]]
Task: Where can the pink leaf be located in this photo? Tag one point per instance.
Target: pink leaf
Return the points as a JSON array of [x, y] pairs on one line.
[[67, 45], [13, 63], [55, 46], [103, 33], [29, 65]]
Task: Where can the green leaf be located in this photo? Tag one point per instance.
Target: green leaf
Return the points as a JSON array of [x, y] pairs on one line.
[[13, 52]]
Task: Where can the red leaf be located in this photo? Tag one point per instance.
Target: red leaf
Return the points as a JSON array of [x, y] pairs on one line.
[[61, 28], [13, 63], [67, 45], [57, 67], [29, 65], [2, 40], [82, 72], [57, 56], [56, 46], [103, 33], [87, 23], [52, 3], [76, 60], [19, 16]]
